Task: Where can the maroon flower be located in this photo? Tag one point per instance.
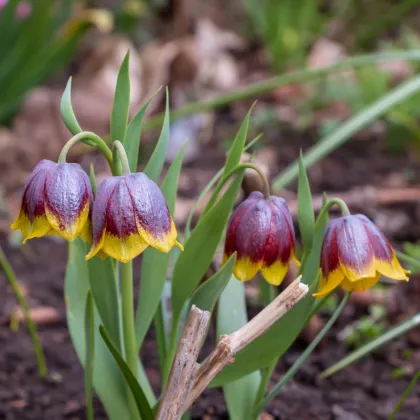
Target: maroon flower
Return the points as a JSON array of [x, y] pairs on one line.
[[130, 214], [354, 255], [56, 200], [261, 232]]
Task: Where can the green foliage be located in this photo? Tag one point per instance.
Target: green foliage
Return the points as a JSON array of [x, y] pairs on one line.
[[231, 316], [90, 351], [42, 44]]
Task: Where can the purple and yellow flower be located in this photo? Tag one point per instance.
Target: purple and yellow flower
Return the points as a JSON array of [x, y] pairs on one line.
[[355, 253], [130, 214], [261, 231], [56, 200]]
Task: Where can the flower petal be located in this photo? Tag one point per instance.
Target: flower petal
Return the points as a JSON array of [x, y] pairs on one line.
[[328, 284], [99, 214], [360, 285], [31, 219], [68, 196], [153, 219], [355, 252], [245, 269], [124, 249], [385, 260], [275, 273]]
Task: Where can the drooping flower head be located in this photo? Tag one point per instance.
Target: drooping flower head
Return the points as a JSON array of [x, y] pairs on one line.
[[354, 255], [56, 200], [261, 231], [130, 214]]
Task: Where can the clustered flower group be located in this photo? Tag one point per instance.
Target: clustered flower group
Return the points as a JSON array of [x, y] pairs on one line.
[[130, 214], [354, 251]]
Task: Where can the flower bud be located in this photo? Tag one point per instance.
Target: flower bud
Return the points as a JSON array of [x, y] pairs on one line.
[[261, 231]]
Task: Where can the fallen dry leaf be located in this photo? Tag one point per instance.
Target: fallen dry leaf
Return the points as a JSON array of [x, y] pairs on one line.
[[44, 315]]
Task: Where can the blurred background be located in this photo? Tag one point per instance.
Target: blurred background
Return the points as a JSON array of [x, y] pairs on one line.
[[220, 56]]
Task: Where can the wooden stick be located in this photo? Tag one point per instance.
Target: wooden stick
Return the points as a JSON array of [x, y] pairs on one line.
[[185, 365], [229, 345]]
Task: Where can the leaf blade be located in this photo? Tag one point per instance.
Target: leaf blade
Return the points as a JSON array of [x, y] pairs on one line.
[[90, 351], [121, 105], [138, 394], [67, 113]]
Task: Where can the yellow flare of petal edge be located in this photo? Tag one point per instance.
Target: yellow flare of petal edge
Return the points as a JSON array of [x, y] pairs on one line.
[[392, 269], [361, 285], [327, 285], [275, 273], [96, 249], [245, 269], [352, 275], [164, 244], [39, 227], [123, 249], [73, 230]]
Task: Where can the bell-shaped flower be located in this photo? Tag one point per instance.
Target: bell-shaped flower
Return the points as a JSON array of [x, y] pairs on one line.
[[261, 231], [130, 214], [56, 200], [355, 253]]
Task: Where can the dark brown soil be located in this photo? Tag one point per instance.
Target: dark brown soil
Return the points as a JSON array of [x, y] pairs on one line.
[[366, 390]]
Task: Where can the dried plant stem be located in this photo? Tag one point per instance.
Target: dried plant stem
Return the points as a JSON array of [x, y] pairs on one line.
[[229, 345], [185, 365]]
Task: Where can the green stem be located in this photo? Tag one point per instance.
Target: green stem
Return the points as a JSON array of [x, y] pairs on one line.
[[11, 277], [299, 362], [226, 178], [404, 395], [160, 336], [99, 143], [268, 85], [125, 166], [130, 346]]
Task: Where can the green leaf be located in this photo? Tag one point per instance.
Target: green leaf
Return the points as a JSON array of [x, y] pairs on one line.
[[67, 113], [138, 394], [206, 295], [238, 145], [121, 105], [132, 138], [370, 347], [104, 286], [404, 395], [275, 342], [200, 248], [157, 160], [107, 379], [306, 215], [232, 315], [90, 350], [346, 130], [155, 263]]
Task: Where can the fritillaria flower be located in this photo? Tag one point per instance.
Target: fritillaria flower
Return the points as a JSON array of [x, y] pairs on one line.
[[261, 231], [355, 253], [130, 214], [56, 200]]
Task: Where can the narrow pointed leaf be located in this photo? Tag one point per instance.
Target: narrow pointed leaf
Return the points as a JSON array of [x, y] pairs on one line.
[[132, 138], [275, 342], [104, 286], [200, 248], [67, 112], [306, 215], [138, 394], [90, 351], [238, 145], [232, 315], [157, 160], [206, 295], [121, 105], [155, 263]]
